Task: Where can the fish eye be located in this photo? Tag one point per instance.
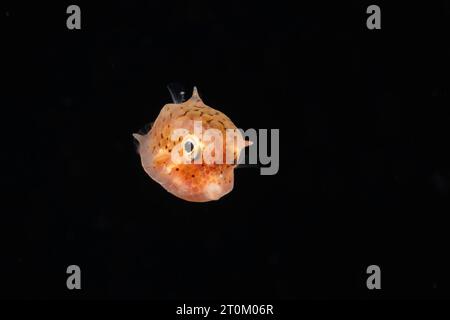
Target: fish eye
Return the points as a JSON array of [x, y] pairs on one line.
[[191, 148], [188, 146]]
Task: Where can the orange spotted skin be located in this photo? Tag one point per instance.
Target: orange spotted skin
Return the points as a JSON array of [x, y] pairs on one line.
[[197, 182]]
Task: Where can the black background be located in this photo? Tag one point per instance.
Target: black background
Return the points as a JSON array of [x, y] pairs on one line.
[[364, 167]]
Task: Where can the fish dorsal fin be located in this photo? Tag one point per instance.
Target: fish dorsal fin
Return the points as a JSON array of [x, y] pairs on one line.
[[195, 95]]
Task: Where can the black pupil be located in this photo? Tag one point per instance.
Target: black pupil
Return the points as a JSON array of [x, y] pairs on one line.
[[188, 146]]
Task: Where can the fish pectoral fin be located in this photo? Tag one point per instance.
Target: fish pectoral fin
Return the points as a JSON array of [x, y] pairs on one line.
[[161, 157], [177, 92]]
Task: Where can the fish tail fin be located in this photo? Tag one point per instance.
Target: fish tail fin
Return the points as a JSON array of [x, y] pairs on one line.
[[138, 137]]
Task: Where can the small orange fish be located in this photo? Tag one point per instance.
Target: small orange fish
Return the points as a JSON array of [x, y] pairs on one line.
[[175, 135]]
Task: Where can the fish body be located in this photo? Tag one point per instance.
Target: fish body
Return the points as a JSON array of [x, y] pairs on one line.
[[175, 135]]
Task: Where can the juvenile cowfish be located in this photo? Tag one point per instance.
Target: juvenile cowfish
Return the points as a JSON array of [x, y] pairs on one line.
[[179, 133]]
